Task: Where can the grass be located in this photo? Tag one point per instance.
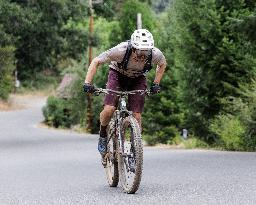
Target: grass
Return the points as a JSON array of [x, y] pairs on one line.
[[44, 91], [179, 143], [194, 143]]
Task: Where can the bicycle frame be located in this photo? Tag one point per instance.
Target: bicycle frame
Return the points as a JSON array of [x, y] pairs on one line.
[[121, 111], [125, 149]]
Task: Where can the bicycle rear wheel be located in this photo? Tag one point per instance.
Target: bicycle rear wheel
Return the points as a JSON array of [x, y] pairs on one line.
[[112, 163], [131, 162]]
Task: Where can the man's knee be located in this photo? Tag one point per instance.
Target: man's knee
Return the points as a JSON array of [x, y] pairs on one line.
[[106, 114], [108, 110], [137, 116]]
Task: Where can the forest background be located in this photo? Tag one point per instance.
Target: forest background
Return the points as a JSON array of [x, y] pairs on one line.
[[209, 87]]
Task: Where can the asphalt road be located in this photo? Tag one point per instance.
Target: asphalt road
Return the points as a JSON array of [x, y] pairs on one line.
[[44, 166]]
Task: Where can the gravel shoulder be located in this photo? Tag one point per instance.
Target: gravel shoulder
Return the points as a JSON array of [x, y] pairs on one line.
[[23, 101]]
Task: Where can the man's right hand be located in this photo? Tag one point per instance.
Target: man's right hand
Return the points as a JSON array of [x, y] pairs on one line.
[[88, 88]]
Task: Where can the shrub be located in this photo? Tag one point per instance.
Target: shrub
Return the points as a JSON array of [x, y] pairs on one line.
[[248, 116], [244, 108], [57, 112], [60, 112], [194, 143], [249, 140], [229, 130], [72, 111], [163, 136], [177, 140], [6, 70]]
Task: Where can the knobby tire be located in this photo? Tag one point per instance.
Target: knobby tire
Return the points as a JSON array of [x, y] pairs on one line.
[[112, 162], [136, 142]]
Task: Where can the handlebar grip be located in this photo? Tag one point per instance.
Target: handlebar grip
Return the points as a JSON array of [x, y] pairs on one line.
[[94, 89]]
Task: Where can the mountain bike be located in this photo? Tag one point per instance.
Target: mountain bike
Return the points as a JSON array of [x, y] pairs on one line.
[[124, 158]]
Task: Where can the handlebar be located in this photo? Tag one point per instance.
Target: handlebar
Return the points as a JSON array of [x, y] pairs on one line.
[[98, 91]]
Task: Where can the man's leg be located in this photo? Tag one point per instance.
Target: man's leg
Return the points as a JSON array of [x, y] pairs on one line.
[[136, 102], [137, 116], [105, 117], [110, 102]]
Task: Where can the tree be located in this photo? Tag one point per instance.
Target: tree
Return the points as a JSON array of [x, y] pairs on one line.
[[213, 59], [105, 9], [128, 17], [43, 32], [162, 119], [6, 70], [128, 20], [161, 5]]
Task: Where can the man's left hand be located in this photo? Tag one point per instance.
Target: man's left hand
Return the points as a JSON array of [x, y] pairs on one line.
[[155, 88]]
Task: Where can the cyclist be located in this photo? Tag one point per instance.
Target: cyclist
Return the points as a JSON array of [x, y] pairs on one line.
[[129, 63]]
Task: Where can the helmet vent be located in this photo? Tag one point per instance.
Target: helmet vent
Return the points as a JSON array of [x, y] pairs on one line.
[[142, 39]]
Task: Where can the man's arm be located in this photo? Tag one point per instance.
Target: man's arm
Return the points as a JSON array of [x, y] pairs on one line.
[[92, 70], [160, 61], [159, 73], [114, 54]]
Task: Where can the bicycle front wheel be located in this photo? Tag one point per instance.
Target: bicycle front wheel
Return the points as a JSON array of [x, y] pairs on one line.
[[112, 163], [131, 161]]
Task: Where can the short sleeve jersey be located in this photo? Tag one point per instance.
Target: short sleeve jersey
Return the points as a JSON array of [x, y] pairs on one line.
[[135, 66]]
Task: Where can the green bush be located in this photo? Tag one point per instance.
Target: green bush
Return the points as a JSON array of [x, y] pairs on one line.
[[60, 112], [248, 116], [249, 140], [230, 132], [163, 136], [72, 111], [57, 112], [244, 108], [193, 143], [77, 101], [6, 71]]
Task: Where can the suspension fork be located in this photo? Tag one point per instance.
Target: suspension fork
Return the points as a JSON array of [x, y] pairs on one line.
[[121, 116], [118, 131]]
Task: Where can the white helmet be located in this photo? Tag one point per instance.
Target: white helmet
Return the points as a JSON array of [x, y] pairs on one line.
[[142, 39]]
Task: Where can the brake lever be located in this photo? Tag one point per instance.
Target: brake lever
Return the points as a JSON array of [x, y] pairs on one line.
[[96, 93]]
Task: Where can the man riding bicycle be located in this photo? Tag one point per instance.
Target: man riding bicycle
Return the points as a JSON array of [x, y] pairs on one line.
[[129, 63]]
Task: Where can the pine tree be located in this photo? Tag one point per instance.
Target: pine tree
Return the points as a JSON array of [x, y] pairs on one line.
[[212, 57], [163, 117], [127, 20]]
